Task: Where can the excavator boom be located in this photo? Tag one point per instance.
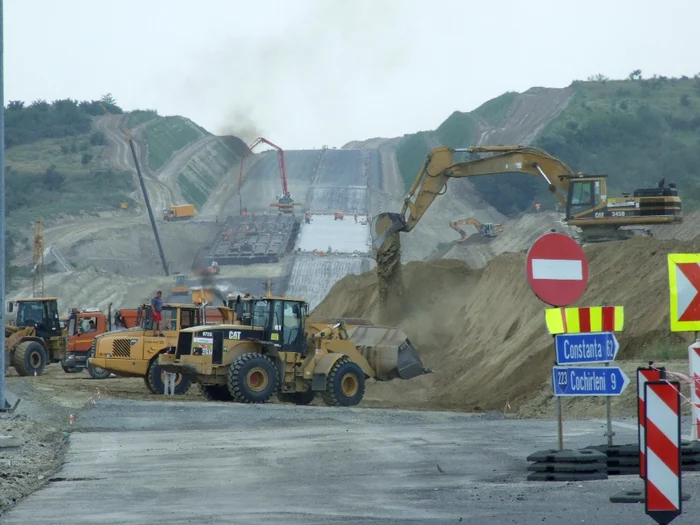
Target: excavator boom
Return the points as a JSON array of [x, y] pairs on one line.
[[584, 197]]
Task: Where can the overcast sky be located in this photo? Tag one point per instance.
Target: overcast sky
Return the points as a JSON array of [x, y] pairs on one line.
[[304, 73]]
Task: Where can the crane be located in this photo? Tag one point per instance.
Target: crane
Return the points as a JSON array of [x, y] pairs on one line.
[[127, 135], [584, 197], [38, 259], [285, 203]]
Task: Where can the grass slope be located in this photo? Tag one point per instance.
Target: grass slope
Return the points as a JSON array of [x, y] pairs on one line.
[[636, 130], [166, 135]]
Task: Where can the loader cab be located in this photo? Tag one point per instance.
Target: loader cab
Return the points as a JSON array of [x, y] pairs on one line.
[[584, 194], [242, 306], [41, 313], [173, 317], [282, 320]]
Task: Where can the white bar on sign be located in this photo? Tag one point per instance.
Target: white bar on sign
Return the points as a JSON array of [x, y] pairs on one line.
[[557, 269]]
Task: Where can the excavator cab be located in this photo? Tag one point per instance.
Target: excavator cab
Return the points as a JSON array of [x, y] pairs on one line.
[[584, 194]]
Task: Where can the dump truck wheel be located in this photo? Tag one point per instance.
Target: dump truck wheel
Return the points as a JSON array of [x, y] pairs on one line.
[[252, 378], [298, 398], [345, 384], [156, 380], [95, 371], [29, 358], [215, 392]]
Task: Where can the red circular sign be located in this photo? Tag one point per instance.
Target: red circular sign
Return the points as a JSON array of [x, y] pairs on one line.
[[557, 269]]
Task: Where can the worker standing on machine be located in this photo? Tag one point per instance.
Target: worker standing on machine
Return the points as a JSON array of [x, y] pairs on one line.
[[157, 313]]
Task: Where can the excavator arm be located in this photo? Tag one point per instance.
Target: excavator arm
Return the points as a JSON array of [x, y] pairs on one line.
[[439, 167]]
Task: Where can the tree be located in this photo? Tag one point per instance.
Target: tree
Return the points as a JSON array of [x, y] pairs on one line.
[[108, 100], [635, 75]]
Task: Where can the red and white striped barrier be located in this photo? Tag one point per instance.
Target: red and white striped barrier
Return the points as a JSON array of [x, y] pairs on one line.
[[644, 375], [694, 362], [662, 484]]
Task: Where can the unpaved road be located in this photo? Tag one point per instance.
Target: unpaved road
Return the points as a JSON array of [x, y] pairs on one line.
[[355, 466]]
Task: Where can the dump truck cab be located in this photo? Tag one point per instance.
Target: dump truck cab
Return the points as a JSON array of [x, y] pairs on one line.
[[34, 338], [83, 326], [133, 352], [281, 353]]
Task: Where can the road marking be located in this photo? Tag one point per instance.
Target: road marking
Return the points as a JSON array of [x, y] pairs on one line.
[[557, 269]]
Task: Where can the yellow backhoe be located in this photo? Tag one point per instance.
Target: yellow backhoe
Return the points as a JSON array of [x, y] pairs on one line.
[[485, 229], [584, 197]]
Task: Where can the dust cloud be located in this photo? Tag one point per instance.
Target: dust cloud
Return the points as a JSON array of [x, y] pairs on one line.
[[268, 83]]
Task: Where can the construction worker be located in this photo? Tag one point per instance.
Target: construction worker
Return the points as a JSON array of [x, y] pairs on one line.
[[157, 313], [169, 383]]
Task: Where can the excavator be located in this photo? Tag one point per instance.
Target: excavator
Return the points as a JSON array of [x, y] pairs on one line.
[[285, 202], [584, 197], [487, 229]]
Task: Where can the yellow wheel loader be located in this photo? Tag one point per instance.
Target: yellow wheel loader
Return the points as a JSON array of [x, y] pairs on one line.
[[34, 338], [278, 351]]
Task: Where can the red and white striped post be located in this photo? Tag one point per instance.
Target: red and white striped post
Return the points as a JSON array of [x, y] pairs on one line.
[[694, 361], [644, 375], [662, 485]]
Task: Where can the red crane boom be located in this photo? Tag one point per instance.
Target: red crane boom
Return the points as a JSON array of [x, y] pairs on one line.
[[280, 156]]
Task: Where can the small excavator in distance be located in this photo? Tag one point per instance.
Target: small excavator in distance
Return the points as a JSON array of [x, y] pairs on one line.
[[584, 197], [485, 229]]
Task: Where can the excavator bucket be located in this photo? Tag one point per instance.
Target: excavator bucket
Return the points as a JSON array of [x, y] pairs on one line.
[[384, 225]]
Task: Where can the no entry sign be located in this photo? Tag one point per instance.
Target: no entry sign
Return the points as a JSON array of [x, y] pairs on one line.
[[557, 269]]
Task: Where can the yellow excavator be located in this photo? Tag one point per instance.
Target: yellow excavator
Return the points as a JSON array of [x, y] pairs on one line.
[[584, 197], [485, 229]]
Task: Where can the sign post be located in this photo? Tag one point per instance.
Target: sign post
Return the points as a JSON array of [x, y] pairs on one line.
[[662, 432], [557, 271], [684, 291]]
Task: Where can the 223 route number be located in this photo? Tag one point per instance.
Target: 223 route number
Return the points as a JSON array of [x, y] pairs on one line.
[[562, 378], [234, 335]]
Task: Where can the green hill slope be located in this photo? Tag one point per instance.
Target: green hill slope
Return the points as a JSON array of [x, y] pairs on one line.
[[636, 131]]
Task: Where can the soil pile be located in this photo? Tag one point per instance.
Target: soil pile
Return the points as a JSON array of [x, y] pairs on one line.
[[483, 331]]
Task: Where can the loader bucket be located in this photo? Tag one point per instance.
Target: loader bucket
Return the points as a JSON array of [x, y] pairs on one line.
[[388, 351], [384, 225]]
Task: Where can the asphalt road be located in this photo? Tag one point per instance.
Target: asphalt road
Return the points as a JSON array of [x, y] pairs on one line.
[[220, 463]]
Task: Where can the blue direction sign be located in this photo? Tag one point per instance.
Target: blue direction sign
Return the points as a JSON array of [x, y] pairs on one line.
[[589, 381], [580, 349]]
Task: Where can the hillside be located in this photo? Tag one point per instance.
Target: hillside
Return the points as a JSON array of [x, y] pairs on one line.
[[617, 127], [635, 130], [69, 160]]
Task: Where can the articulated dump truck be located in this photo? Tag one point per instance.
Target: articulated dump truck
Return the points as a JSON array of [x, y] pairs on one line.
[[276, 350]]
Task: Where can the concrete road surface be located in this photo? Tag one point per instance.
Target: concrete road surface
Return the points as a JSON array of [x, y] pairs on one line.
[[218, 463]]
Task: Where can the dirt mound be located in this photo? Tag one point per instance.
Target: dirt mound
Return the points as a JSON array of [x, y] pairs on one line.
[[483, 331]]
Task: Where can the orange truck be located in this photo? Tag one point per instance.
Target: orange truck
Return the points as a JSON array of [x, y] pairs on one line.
[[82, 328], [179, 213]]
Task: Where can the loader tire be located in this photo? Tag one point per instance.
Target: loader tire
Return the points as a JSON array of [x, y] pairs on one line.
[[95, 371], [252, 378], [215, 392], [298, 398], [156, 384], [29, 358], [345, 384]]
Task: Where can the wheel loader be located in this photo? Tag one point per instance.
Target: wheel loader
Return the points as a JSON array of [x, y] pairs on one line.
[[34, 338], [134, 352], [279, 351]]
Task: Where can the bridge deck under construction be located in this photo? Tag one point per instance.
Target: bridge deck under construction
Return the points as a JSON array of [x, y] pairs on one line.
[[254, 239]]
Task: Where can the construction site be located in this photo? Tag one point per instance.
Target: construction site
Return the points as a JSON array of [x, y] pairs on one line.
[[436, 314]]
